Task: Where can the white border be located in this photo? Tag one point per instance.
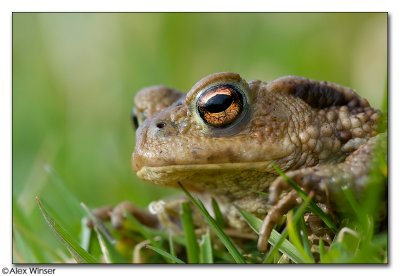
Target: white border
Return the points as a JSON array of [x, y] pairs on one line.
[[205, 5], [8, 6]]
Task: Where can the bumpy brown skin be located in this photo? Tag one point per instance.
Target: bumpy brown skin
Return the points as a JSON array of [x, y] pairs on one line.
[[321, 134]]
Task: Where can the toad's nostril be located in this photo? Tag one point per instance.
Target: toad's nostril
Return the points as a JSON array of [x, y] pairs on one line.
[[160, 125]]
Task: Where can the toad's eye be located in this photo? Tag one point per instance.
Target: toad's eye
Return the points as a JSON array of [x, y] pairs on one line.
[[220, 105], [134, 119]]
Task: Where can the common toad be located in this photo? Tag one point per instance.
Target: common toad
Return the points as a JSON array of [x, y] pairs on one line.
[[224, 137]]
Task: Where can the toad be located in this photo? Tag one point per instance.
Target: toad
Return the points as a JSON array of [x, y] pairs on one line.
[[226, 136]]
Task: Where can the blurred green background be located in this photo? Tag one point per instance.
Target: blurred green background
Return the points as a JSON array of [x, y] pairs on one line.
[[74, 76]]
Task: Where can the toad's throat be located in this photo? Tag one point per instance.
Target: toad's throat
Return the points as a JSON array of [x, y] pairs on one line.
[[223, 176]]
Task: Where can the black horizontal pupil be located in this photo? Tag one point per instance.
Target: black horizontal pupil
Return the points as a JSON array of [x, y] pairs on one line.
[[218, 103]]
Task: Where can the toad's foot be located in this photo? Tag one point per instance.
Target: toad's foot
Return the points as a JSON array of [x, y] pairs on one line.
[[161, 214], [325, 182], [117, 214]]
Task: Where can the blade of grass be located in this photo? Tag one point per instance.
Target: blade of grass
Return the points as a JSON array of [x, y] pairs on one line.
[[313, 206], [253, 221], [36, 180], [88, 239], [192, 246], [214, 226], [132, 223], [149, 233], [359, 212], [304, 238], [298, 214], [376, 187], [293, 236], [223, 256], [171, 245], [165, 254], [108, 249], [287, 247], [77, 252], [206, 253], [321, 248], [152, 235], [219, 218], [86, 234], [295, 239], [99, 225], [30, 242]]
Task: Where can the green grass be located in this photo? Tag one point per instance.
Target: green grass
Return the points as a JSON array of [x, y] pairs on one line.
[[357, 239]]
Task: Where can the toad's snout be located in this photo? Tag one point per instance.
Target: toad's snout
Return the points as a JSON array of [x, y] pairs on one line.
[[155, 141]]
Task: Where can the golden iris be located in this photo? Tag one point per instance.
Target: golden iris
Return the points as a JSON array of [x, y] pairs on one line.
[[220, 105]]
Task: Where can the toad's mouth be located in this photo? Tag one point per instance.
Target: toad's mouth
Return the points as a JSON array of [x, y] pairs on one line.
[[172, 175]]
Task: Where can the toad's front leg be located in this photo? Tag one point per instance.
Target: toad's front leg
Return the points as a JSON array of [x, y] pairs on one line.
[[326, 182]]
